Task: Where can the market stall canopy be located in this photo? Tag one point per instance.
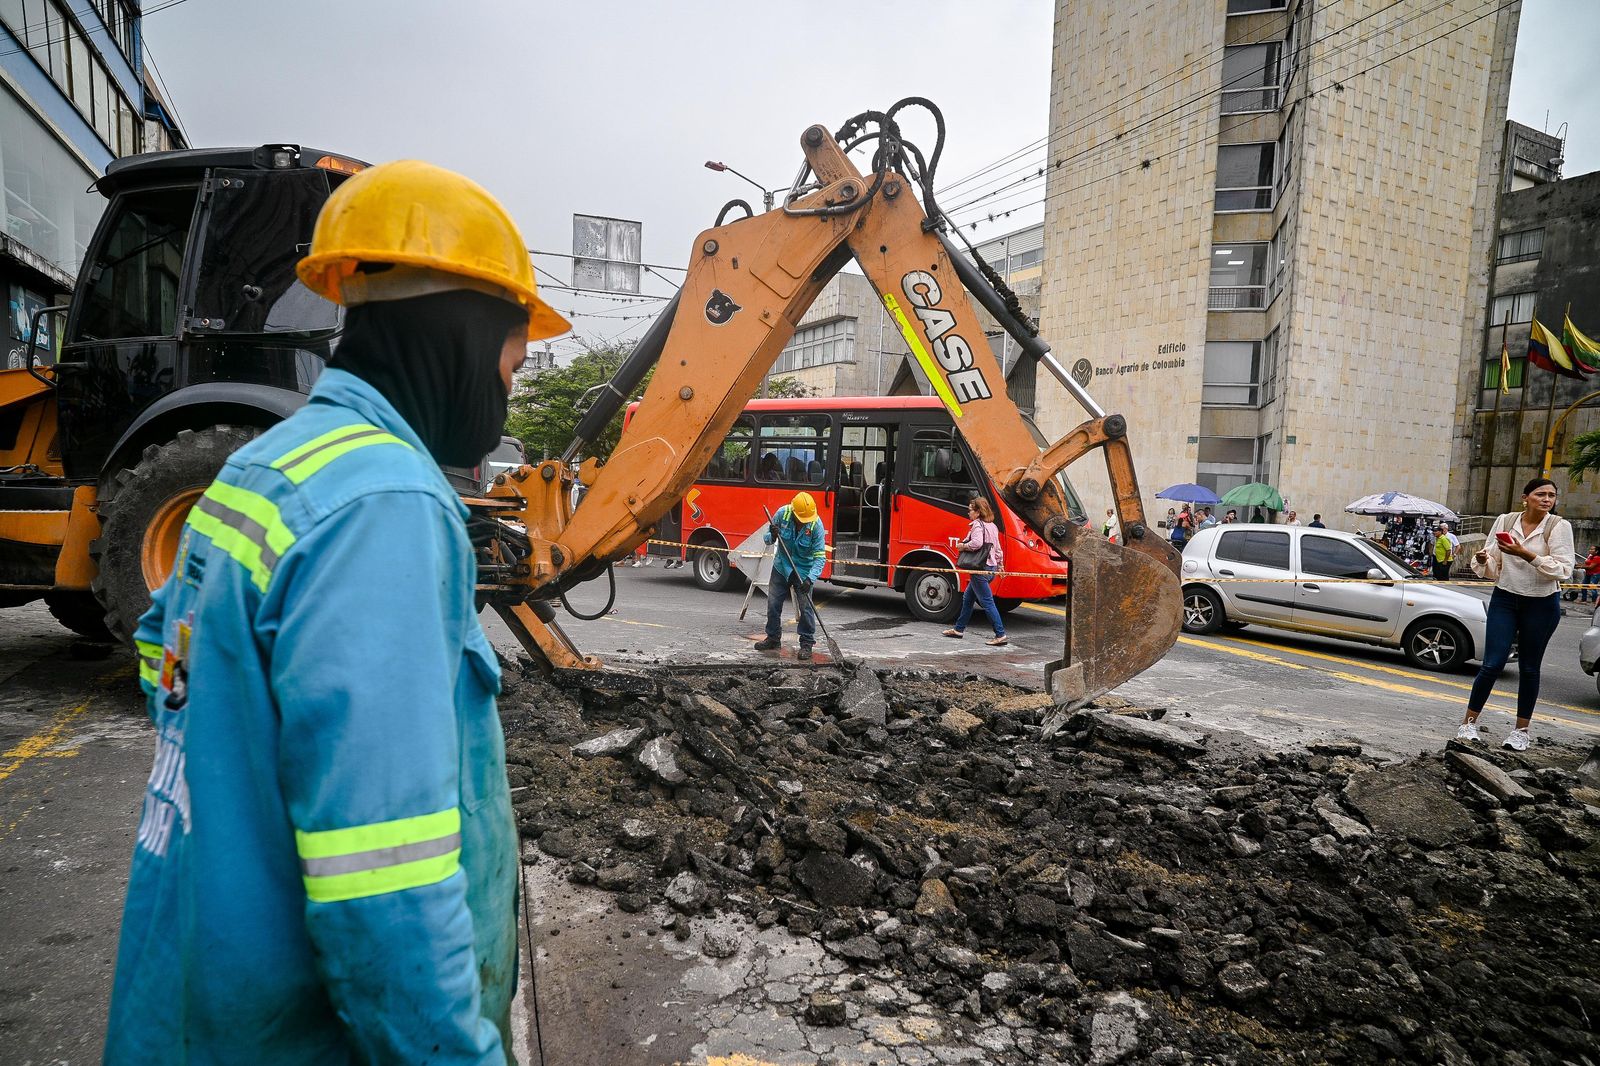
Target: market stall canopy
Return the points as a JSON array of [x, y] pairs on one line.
[[1402, 505], [1188, 493], [1254, 494]]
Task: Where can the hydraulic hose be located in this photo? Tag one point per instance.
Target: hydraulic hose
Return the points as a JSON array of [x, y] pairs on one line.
[[614, 395], [611, 599]]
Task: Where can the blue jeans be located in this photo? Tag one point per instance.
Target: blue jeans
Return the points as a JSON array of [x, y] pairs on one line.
[[1530, 621], [777, 596], [1589, 592], [978, 591]]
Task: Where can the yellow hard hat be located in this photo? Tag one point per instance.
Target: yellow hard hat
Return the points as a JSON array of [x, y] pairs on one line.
[[803, 506], [438, 230]]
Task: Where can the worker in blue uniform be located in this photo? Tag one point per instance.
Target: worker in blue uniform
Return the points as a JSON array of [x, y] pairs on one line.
[[802, 551], [325, 869]]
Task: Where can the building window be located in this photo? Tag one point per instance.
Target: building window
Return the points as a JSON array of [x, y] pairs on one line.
[[1230, 373], [1518, 307], [1269, 368], [48, 206], [1244, 177], [1023, 260], [1249, 7], [1515, 247], [1491, 373], [826, 342], [1238, 277], [1250, 78], [1285, 155], [1226, 463]]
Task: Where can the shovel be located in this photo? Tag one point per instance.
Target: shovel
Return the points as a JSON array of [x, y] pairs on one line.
[[833, 647]]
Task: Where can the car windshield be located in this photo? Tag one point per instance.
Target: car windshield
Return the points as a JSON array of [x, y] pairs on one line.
[[1405, 567]]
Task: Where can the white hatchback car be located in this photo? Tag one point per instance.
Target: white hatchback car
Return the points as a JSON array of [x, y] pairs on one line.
[[1437, 627]]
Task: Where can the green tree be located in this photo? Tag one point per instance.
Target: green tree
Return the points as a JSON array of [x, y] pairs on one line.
[[1584, 455], [786, 387], [544, 412]]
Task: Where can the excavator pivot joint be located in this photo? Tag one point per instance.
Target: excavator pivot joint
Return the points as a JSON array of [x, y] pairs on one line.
[[1059, 530], [547, 472], [710, 247], [1028, 489], [1116, 426], [1136, 530], [815, 136]]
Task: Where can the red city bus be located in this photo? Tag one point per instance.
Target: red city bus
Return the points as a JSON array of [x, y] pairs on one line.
[[891, 476]]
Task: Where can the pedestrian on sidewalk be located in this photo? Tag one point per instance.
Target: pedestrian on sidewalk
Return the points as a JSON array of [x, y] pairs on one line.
[[1207, 518], [326, 866], [801, 541], [1444, 554], [1591, 574], [1528, 555], [1316, 522], [980, 553]]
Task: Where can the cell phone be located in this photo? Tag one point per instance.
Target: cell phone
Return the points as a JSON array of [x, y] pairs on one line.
[[1506, 539]]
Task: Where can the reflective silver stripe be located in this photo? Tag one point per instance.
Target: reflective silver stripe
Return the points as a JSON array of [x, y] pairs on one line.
[[380, 857], [248, 527], [336, 442]]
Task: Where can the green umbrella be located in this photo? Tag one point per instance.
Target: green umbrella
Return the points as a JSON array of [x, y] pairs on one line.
[[1255, 494]]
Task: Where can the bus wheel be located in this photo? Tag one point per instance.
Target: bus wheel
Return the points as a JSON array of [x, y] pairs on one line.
[[1006, 604], [711, 569], [142, 512], [932, 596]]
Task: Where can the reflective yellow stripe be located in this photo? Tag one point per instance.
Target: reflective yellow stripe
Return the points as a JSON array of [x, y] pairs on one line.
[[339, 887], [148, 650], [318, 442], [244, 524], [369, 860], [150, 656], [929, 367], [301, 462]]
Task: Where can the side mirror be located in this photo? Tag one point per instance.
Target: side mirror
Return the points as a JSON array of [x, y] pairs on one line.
[[35, 320], [1374, 574]]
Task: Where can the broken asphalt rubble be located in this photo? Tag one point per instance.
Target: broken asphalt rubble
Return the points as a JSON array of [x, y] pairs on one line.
[[1103, 882]]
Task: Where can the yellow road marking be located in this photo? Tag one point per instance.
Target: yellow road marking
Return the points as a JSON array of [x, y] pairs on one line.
[[1418, 676], [41, 742], [1371, 682]]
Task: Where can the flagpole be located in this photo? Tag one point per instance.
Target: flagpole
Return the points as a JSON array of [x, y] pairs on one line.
[[1494, 419], [1549, 417]]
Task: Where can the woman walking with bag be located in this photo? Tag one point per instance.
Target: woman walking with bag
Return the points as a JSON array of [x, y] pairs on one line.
[[1527, 556], [980, 553]]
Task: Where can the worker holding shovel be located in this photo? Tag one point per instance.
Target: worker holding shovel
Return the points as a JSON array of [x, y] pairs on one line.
[[802, 550]]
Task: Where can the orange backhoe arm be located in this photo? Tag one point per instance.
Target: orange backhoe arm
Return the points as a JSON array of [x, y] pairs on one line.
[[748, 285]]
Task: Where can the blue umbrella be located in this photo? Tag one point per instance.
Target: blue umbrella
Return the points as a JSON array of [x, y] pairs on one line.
[[1188, 493]]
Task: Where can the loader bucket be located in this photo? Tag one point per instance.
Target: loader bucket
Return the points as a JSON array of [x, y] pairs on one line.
[[1124, 610]]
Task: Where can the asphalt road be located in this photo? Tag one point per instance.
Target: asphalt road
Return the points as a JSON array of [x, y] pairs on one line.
[[75, 748], [1277, 687]]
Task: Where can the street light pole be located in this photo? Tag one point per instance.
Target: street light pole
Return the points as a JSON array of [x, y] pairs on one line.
[[766, 196]]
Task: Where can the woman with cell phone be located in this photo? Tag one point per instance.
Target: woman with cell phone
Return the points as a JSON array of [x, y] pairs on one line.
[[1527, 556]]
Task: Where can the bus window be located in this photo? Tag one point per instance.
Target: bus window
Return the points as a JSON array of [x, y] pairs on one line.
[[793, 449], [939, 467], [732, 461]]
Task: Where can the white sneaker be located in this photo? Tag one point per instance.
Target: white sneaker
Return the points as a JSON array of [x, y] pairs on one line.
[[1518, 740], [1468, 731]]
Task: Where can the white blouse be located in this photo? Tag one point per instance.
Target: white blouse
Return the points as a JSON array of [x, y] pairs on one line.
[[1551, 544]]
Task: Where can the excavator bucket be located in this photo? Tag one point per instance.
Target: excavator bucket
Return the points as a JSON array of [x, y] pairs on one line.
[[1124, 609]]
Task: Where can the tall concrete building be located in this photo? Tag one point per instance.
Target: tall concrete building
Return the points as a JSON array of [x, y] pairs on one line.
[[1261, 220], [75, 93]]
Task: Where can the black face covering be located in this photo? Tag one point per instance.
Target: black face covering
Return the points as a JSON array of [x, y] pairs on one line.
[[436, 359]]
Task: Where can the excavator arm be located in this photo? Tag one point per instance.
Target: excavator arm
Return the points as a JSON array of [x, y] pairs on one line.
[[748, 285]]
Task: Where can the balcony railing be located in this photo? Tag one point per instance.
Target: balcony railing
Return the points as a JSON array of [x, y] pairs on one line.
[[1238, 298], [1244, 198], [1240, 101]]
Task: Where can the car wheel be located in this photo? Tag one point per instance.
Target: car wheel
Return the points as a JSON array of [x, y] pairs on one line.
[[932, 596], [1202, 610], [1436, 644], [711, 569]]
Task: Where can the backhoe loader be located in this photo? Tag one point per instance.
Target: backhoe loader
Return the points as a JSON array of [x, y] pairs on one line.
[[749, 282]]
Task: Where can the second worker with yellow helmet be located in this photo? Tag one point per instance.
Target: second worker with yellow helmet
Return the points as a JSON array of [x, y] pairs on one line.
[[802, 551]]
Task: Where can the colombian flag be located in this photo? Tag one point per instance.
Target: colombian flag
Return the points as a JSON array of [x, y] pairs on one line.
[[1585, 352], [1546, 352]]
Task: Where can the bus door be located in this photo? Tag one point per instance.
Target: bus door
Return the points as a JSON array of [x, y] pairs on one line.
[[863, 499]]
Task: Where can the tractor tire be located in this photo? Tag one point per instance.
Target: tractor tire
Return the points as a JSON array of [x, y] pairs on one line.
[[142, 511], [79, 612]]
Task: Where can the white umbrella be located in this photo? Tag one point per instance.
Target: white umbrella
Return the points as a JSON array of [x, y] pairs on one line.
[[1403, 504]]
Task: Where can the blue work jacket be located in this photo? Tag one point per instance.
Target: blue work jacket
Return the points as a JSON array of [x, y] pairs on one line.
[[326, 867], [807, 544]]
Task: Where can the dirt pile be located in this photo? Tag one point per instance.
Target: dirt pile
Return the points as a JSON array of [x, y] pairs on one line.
[[1105, 882]]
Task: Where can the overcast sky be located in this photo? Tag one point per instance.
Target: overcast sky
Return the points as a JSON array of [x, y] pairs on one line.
[[612, 107]]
